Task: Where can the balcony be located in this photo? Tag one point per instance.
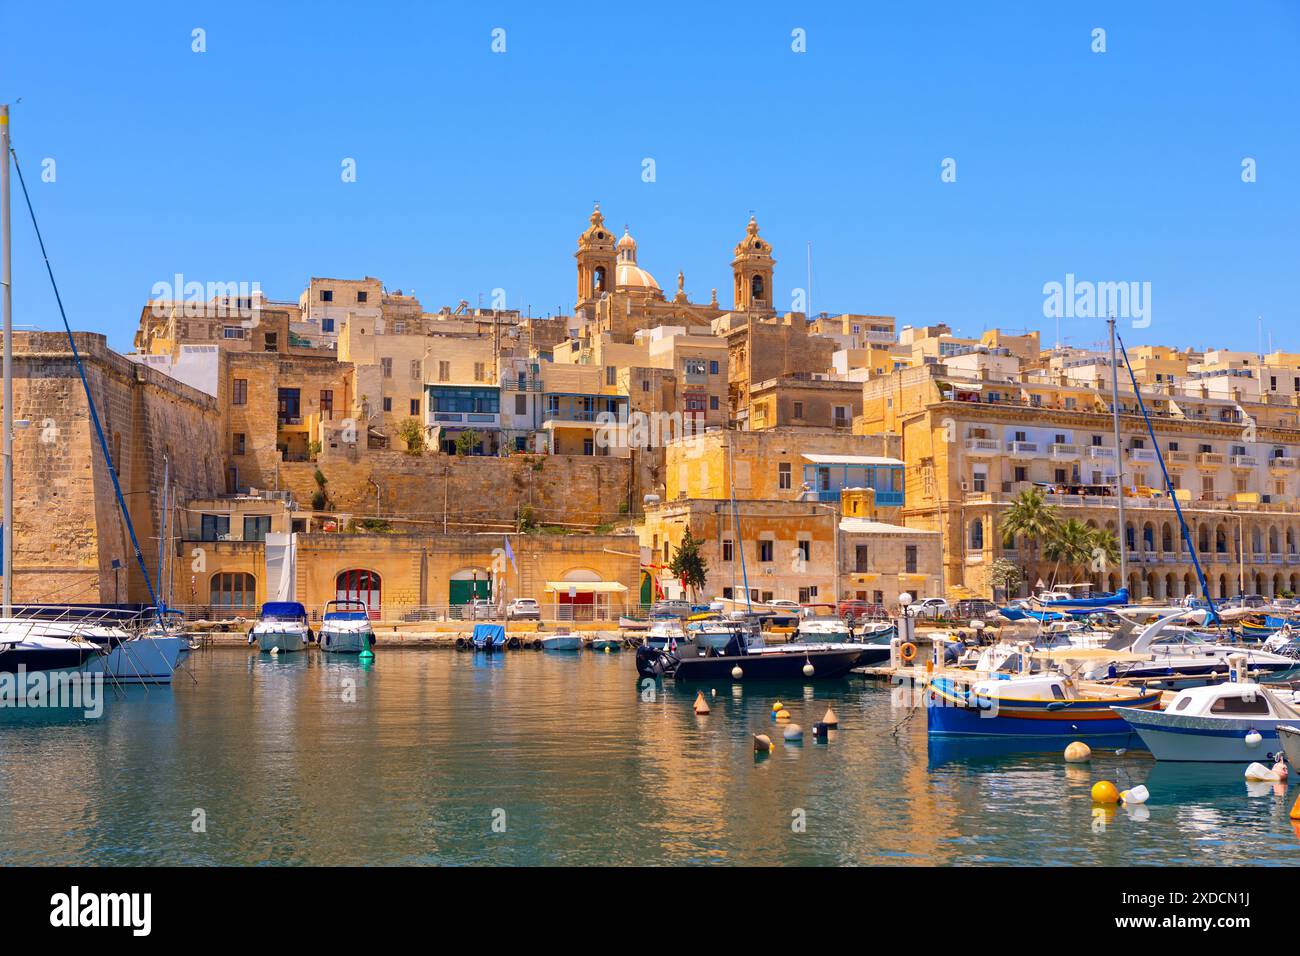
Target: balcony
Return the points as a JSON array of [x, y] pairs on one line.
[[1245, 461], [1022, 449], [982, 446], [1283, 462], [1210, 459], [1144, 455], [1062, 452], [476, 419], [1101, 453], [1178, 457]]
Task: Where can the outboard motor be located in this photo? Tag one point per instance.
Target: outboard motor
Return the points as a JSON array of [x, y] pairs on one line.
[[653, 663]]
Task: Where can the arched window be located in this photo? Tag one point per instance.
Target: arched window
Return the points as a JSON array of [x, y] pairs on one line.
[[977, 535], [232, 589], [756, 287], [357, 584], [598, 279]]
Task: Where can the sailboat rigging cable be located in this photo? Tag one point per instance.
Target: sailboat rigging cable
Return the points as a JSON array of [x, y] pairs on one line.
[[90, 401], [1169, 485]]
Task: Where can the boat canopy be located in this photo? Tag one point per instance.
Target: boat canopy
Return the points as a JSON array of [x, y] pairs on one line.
[[489, 635], [283, 609]]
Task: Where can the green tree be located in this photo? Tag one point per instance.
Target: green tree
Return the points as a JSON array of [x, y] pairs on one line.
[[1005, 576], [412, 432], [1105, 552], [1030, 518], [1070, 543], [688, 565], [466, 442]]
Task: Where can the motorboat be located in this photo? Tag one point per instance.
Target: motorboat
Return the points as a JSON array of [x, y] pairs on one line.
[[1233, 722], [746, 658], [282, 627], [562, 642], [488, 637], [29, 646], [664, 634], [1289, 736], [134, 647], [604, 642], [345, 628]]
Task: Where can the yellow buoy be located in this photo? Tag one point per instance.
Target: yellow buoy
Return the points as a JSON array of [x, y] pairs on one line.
[[1103, 791], [701, 706], [783, 715], [1078, 752], [778, 706]]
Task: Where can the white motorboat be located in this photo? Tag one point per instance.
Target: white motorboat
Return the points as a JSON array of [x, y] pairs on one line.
[[345, 628], [1235, 722], [664, 633], [52, 647], [562, 642], [281, 628]]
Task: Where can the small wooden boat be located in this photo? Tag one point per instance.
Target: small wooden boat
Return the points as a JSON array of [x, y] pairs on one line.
[[633, 624], [606, 643]]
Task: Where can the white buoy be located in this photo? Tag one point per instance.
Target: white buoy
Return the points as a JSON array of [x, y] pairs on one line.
[[275, 651], [1135, 796], [793, 732], [1253, 739], [737, 673], [809, 670]]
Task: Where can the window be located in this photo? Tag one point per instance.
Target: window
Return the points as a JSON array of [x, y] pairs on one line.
[[783, 475], [272, 342], [979, 480], [361, 296], [386, 365], [239, 393], [256, 527], [728, 550], [611, 375], [480, 372], [416, 371], [805, 549], [327, 295], [327, 325], [232, 332], [977, 536], [861, 556], [1255, 704], [713, 367], [1020, 436], [713, 403], [798, 409], [232, 589], [359, 585], [444, 371], [645, 384], [213, 527], [399, 328], [765, 552], [1021, 474], [326, 403], [1060, 477], [388, 404], [415, 407], [521, 404], [238, 443], [841, 415], [909, 559]]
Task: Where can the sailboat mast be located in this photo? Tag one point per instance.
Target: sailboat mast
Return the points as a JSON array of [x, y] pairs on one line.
[[6, 295], [1119, 457]]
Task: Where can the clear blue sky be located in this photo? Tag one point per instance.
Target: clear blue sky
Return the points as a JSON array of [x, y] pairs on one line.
[[477, 170]]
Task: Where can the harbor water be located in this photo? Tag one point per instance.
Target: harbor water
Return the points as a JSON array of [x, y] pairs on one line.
[[439, 757]]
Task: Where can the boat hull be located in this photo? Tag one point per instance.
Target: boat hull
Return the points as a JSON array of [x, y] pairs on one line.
[[951, 713], [281, 641], [563, 643], [826, 663], [142, 660], [345, 642], [1289, 736], [1203, 739]]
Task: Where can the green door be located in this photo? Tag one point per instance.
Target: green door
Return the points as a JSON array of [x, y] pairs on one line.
[[462, 592]]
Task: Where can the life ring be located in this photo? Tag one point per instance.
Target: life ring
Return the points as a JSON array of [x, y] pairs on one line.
[[908, 652]]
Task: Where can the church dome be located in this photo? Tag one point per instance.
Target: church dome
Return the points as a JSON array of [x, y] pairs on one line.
[[628, 274]]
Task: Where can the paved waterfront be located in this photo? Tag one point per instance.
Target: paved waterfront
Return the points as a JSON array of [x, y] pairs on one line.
[[532, 758]]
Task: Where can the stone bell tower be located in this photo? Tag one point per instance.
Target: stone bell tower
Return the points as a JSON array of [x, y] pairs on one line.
[[596, 262], [752, 268]]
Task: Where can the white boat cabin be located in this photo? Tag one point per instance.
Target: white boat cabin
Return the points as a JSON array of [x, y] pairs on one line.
[[1233, 700]]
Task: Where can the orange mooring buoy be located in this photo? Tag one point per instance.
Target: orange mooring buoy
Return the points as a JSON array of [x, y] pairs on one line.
[[701, 705]]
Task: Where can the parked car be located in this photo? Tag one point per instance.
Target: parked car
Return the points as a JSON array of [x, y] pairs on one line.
[[523, 609], [861, 611], [974, 609], [930, 607], [481, 609]]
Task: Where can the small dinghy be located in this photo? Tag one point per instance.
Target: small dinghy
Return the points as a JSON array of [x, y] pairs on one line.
[[562, 642], [604, 643]]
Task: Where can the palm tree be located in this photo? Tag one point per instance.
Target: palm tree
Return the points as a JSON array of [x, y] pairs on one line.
[[1031, 518], [1105, 551]]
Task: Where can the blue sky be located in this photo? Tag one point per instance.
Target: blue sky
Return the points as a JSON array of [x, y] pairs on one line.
[[477, 170]]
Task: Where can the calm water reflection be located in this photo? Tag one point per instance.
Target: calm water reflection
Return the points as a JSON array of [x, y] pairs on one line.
[[305, 760]]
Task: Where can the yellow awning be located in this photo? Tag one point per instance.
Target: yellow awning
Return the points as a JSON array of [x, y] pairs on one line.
[[586, 587]]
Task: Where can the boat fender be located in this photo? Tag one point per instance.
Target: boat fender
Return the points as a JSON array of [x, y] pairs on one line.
[[251, 638], [908, 652], [1259, 773], [793, 733], [1135, 796], [781, 715], [763, 744], [737, 673], [460, 643], [1253, 738], [809, 670], [513, 643]]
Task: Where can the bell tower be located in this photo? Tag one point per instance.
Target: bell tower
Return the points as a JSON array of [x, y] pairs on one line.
[[752, 268], [596, 261]]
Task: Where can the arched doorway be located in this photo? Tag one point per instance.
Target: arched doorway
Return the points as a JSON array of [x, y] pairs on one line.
[[232, 589], [359, 584], [469, 584]]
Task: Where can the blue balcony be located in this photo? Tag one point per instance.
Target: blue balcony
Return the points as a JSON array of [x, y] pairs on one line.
[[830, 476]]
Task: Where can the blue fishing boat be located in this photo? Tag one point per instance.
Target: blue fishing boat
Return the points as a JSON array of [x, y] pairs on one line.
[[1093, 602], [489, 637], [1042, 706]]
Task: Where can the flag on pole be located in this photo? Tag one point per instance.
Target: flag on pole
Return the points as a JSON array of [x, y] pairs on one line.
[[510, 553]]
